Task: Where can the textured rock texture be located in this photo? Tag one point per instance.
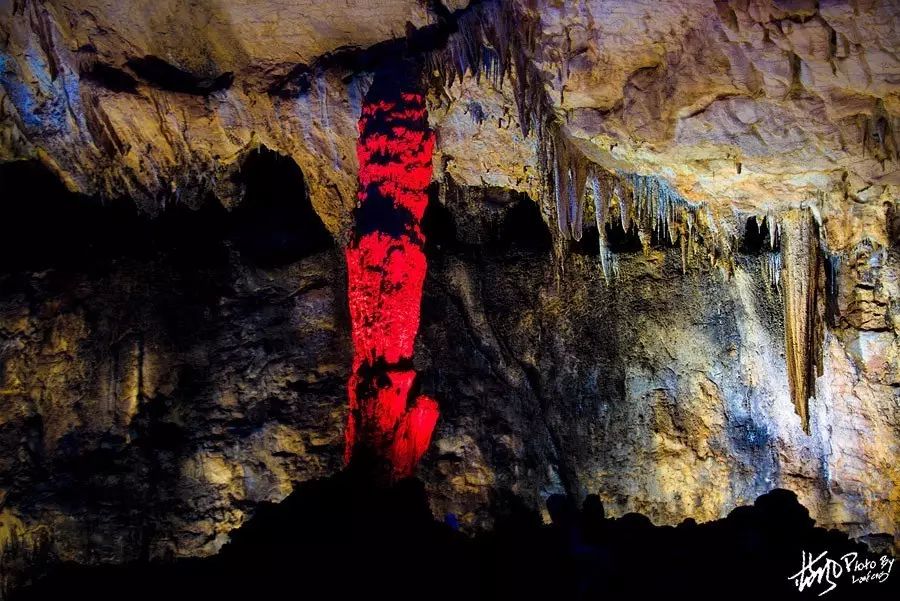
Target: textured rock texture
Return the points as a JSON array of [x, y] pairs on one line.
[[151, 395], [156, 386], [667, 393], [754, 105]]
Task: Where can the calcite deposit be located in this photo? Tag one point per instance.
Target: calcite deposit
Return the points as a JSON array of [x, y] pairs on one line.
[[663, 248]]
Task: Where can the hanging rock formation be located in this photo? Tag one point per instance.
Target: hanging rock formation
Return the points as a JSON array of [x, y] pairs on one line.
[[800, 284]]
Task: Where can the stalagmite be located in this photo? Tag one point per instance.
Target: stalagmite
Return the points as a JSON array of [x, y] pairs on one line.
[[799, 285]]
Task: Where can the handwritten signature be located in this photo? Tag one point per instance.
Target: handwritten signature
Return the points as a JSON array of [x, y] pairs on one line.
[[822, 570]]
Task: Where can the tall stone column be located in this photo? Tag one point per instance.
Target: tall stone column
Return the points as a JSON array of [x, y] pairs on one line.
[[389, 426]]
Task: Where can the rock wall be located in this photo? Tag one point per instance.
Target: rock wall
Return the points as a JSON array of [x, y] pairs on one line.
[[666, 393], [156, 388], [153, 397]]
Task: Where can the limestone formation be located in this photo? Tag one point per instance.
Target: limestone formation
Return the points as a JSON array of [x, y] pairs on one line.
[[800, 284], [663, 254]]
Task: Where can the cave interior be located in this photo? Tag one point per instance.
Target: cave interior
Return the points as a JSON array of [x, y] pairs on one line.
[[491, 299]]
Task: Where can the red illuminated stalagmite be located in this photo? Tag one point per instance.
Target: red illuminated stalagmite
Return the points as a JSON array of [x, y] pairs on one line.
[[386, 269]]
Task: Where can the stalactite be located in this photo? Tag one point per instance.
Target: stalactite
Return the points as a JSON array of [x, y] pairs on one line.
[[622, 200], [771, 269], [576, 200], [560, 189], [832, 277], [609, 262], [601, 200], [774, 229], [800, 276]]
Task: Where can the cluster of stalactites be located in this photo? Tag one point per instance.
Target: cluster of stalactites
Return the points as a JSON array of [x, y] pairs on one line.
[[770, 258], [571, 184], [497, 40], [563, 175], [648, 204]]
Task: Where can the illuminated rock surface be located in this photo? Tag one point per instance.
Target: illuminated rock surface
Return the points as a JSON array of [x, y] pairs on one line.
[[152, 396]]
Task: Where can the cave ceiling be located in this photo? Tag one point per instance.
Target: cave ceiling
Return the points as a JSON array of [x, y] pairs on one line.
[[748, 107]]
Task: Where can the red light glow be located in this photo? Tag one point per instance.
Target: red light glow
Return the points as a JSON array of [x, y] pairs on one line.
[[386, 270]]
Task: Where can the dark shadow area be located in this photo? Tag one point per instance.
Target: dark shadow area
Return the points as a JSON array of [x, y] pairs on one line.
[[293, 84], [379, 214], [164, 305], [524, 229], [893, 224], [48, 227], [589, 245], [109, 77], [438, 226], [167, 76], [832, 267], [276, 224], [756, 237], [345, 539], [488, 222], [620, 241]]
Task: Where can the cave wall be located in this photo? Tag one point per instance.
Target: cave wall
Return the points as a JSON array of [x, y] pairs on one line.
[[152, 398], [144, 412], [157, 387], [666, 393]]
